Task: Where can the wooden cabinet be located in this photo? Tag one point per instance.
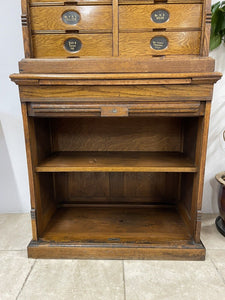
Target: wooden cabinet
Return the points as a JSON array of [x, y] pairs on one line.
[[115, 28], [116, 101]]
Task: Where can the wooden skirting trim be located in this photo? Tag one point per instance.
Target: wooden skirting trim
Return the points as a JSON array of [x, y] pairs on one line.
[[185, 251]]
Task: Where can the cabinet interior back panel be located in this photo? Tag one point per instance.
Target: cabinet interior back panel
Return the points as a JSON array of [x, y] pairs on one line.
[[117, 134], [103, 188]]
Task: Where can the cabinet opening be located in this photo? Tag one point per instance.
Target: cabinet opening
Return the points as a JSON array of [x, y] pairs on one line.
[[114, 207], [156, 144], [135, 172]]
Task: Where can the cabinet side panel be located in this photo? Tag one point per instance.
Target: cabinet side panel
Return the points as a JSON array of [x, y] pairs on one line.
[[30, 170], [200, 157], [41, 185]]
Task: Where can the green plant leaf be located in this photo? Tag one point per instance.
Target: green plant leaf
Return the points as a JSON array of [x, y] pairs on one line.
[[215, 18], [220, 21], [217, 21], [217, 24], [215, 41], [215, 7]]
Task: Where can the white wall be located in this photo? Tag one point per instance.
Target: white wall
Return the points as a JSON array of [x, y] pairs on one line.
[[215, 161], [14, 191]]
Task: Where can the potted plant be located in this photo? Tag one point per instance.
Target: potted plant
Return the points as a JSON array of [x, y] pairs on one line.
[[216, 38], [220, 220], [217, 24]]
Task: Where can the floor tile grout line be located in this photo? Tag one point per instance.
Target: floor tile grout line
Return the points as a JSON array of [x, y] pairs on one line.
[[124, 283], [218, 271], [25, 281]]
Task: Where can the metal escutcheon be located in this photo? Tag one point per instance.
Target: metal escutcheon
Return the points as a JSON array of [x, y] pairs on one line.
[[159, 43], [73, 45], [160, 16], [71, 17]]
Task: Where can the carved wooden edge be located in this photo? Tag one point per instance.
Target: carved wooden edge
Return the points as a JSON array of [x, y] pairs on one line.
[[26, 27], [33, 214], [209, 18], [115, 79], [206, 28], [24, 20], [198, 225], [115, 35], [186, 251], [199, 216]]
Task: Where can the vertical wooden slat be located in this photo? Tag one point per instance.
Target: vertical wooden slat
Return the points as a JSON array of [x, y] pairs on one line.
[[201, 148], [203, 27], [202, 154], [207, 28], [115, 28], [30, 169], [27, 38]]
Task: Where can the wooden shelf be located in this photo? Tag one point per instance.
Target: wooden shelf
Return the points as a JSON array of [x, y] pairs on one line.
[[117, 162], [116, 225]]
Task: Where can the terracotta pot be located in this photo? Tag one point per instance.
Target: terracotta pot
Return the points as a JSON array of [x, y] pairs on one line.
[[220, 221]]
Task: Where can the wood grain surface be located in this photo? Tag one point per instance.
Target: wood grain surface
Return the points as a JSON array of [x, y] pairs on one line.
[[116, 146], [52, 45], [116, 134], [181, 16], [106, 189], [104, 65], [133, 44], [117, 94], [92, 18], [117, 162], [52, 110], [169, 251], [116, 225]]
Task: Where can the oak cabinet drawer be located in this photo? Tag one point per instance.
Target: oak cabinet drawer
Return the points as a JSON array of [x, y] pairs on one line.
[[91, 18], [72, 45], [161, 43], [160, 16]]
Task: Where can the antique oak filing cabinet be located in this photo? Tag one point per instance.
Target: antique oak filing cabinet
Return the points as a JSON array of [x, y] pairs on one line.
[[116, 99]]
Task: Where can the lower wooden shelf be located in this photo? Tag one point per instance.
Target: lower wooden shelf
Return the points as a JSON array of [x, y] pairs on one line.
[[117, 233], [117, 161]]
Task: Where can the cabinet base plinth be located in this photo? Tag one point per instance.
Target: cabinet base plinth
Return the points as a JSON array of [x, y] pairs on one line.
[[185, 251]]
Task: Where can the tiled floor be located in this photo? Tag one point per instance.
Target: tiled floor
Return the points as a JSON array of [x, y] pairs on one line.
[[22, 278]]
